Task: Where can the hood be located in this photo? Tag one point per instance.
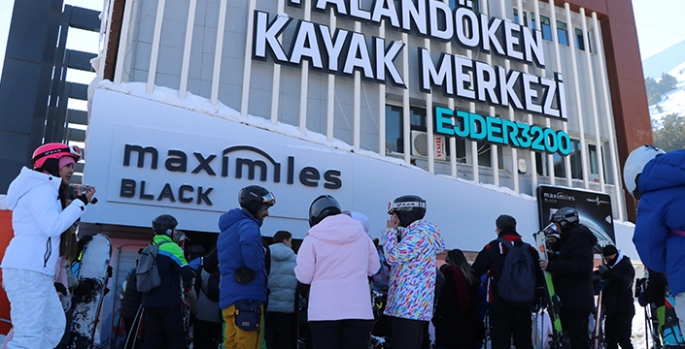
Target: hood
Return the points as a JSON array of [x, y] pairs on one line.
[[581, 231], [338, 229], [619, 258], [663, 172], [27, 180], [231, 217], [431, 231], [281, 252]]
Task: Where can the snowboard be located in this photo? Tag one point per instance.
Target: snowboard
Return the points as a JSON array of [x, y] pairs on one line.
[[93, 276], [559, 338]]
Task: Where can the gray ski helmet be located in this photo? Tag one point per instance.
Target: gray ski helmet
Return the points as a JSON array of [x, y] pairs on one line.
[[254, 198], [565, 217], [322, 207], [408, 208], [164, 224], [635, 162]]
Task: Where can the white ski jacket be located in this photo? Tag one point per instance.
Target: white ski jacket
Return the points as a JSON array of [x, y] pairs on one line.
[[38, 221]]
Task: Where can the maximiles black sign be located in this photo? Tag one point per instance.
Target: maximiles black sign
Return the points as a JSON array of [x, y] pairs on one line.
[[240, 162], [594, 209]]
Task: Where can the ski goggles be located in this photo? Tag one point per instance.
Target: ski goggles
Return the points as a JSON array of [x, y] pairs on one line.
[[269, 199], [72, 150], [404, 206], [551, 231]]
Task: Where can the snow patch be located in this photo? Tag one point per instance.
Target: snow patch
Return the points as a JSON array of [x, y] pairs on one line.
[[202, 105], [673, 102], [630, 225], [3, 202]]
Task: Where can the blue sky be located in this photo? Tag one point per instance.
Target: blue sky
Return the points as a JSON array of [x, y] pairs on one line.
[[660, 24]]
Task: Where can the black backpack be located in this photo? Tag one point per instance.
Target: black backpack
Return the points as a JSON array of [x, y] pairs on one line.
[[518, 281]]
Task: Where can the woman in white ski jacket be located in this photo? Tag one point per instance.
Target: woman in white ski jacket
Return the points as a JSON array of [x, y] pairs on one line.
[[38, 220]]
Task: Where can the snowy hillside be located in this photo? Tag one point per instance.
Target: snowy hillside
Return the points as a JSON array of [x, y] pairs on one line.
[[673, 102]]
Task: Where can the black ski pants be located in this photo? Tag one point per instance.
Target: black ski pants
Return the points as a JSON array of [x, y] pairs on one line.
[[407, 333], [279, 330], [512, 323], [207, 335], [617, 331], [341, 334], [163, 328], [576, 323]]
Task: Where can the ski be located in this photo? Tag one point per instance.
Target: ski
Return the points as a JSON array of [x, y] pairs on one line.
[[559, 339]]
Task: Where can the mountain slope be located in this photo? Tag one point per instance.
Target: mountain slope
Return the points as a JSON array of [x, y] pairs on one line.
[[664, 61], [673, 102]]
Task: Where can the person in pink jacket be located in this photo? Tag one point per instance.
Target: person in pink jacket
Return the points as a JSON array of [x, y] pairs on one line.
[[337, 258]]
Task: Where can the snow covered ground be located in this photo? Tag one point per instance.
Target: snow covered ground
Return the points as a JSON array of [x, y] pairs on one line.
[[638, 337], [674, 101]]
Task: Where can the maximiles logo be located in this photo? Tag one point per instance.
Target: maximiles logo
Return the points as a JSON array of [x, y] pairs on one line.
[[560, 196], [238, 162]]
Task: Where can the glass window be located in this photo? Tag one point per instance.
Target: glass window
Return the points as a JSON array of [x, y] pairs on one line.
[[562, 32], [484, 155], [455, 3], [589, 41], [546, 28], [517, 20], [532, 21], [516, 16], [394, 130], [576, 163], [580, 44]]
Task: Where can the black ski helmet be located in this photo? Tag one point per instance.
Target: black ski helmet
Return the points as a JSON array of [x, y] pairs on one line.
[[254, 198], [164, 224], [408, 208], [566, 217], [322, 207]]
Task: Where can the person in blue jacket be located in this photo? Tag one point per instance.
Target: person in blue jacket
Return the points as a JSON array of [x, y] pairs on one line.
[[657, 180], [243, 268]]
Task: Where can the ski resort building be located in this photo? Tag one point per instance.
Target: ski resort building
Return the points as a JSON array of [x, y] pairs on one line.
[[472, 105]]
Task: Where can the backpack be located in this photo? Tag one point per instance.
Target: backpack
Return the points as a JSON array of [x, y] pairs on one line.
[[213, 282], [147, 273], [517, 282]]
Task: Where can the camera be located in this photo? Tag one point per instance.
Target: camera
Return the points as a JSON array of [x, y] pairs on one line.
[[75, 189]]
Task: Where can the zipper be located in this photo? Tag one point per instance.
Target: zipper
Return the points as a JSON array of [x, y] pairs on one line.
[[48, 252]]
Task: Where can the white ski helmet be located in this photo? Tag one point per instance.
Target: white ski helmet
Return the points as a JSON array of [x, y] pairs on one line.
[[636, 161]]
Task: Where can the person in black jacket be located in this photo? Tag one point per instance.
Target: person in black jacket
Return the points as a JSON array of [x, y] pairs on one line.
[[572, 271], [456, 321], [163, 306], [507, 321], [618, 301]]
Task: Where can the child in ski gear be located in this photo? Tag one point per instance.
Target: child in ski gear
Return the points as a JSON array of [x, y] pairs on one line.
[[508, 319], [337, 258], [456, 318], [29, 264], [163, 311], [410, 244], [572, 271], [280, 315], [655, 179], [618, 297], [243, 270]]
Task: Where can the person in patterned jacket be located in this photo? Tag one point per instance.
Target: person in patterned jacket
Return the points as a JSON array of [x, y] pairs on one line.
[[410, 244]]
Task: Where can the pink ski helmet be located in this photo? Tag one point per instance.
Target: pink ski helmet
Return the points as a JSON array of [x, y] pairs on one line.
[[54, 151]]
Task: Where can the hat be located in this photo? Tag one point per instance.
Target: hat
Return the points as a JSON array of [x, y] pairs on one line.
[[609, 250], [506, 222], [65, 161], [362, 219]]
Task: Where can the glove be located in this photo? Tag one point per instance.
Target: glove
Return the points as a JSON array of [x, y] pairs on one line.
[[66, 302], [641, 299], [60, 288], [602, 269], [244, 275]]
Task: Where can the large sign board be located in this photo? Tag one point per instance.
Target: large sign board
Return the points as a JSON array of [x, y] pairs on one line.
[[593, 208]]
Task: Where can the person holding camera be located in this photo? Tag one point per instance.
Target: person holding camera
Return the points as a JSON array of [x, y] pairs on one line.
[[242, 265], [38, 220]]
